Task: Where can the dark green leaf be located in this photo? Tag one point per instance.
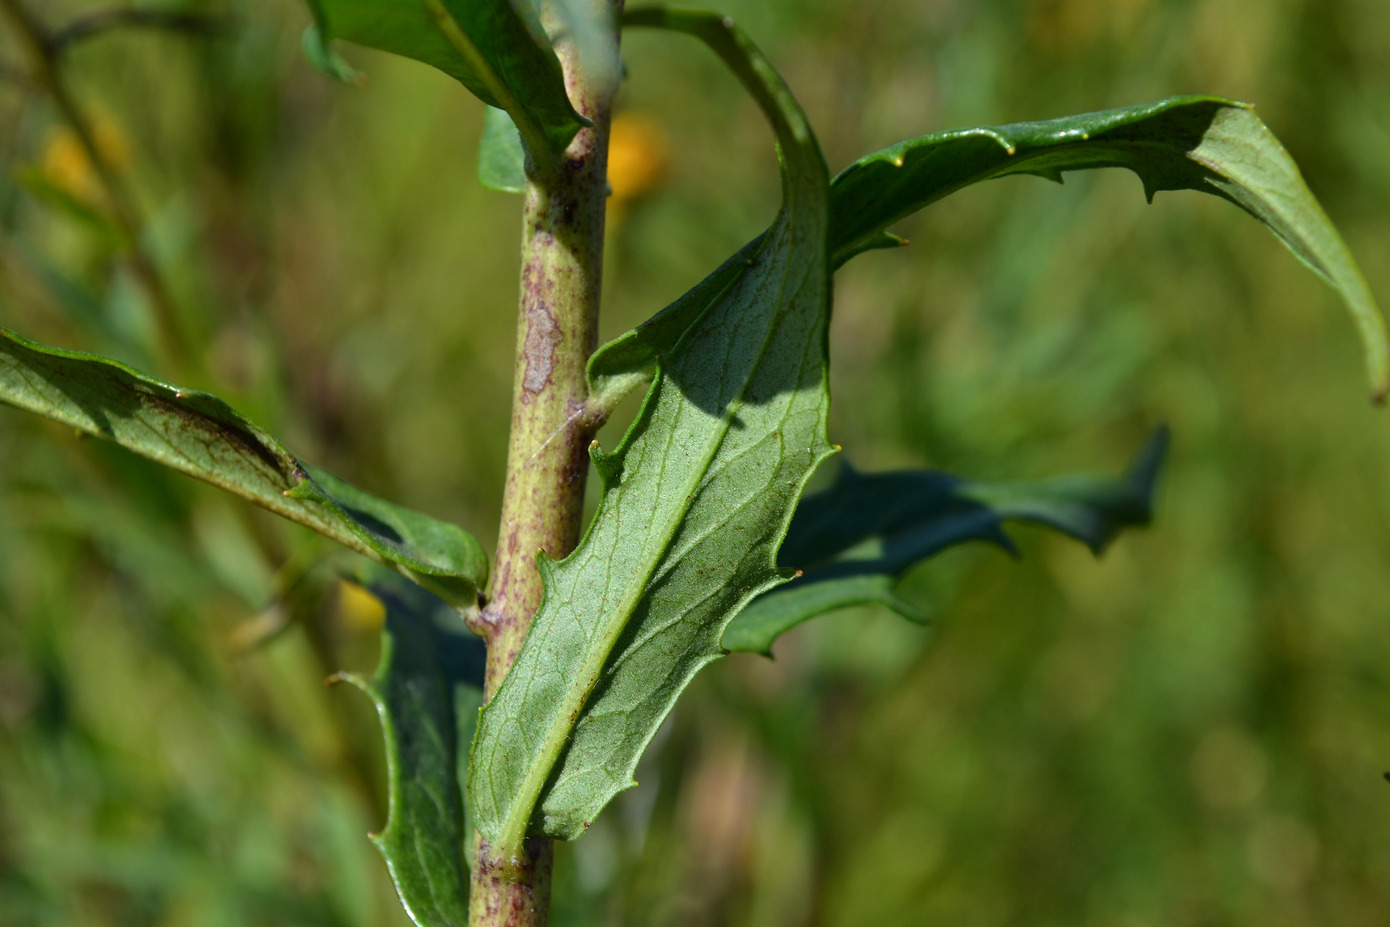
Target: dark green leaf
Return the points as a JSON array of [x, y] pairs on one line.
[[695, 502], [202, 436], [501, 156], [772, 614], [427, 689], [1182, 143], [855, 540], [495, 48]]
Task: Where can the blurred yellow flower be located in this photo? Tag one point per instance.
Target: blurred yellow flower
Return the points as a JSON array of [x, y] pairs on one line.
[[65, 165], [638, 158], [360, 609]]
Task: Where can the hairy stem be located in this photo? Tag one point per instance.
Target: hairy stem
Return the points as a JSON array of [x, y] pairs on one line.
[[547, 460]]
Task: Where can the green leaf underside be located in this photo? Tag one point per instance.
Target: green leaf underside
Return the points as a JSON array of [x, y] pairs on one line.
[[495, 48], [627, 361], [426, 690], [695, 501], [200, 435], [501, 156], [855, 540], [1198, 143]]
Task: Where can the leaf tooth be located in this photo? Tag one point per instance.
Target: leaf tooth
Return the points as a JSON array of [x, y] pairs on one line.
[[609, 465]]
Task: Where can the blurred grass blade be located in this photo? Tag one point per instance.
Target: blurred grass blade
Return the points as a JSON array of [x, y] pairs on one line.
[[55, 195], [694, 503], [427, 690], [200, 435], [1199, 143], [495, 48], [501, 155], [855, 540]]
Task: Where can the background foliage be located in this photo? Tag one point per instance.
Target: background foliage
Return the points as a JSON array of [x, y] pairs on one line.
[[1190, 732]]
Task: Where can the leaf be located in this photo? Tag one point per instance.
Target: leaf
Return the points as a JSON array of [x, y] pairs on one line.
[[427, 688], [326, 61], [772, 614], [628, 361], [1182, 143], [856, 539], [495, 48], [200, 435], [694, 503], [501, 155]]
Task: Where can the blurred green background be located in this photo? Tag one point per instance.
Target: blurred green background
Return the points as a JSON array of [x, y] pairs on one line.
[[1192, 731]]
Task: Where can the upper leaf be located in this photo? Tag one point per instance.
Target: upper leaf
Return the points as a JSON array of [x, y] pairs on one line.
[[695, 502], [855, 540], [427, 690], [201, 435], [495, 48], [1182, 143]]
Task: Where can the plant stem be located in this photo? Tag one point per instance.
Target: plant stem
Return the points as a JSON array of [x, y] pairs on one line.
[[44, 52], [547, 462]]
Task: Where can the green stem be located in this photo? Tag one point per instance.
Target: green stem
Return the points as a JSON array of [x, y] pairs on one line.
[[547, 460], [44, 51]]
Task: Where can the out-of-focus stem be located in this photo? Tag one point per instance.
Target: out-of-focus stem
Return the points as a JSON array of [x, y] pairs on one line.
[[43, 52]]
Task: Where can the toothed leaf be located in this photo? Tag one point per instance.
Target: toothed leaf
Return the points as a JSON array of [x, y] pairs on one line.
[[427, 689], [695, 502], [855, 540], [1198, 143]]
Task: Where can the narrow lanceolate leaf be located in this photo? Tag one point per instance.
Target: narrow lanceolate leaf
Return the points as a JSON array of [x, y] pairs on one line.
[[695, 502], [426, 691], [202, 436], [855, 540], [1182, 143], [495, 48]]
